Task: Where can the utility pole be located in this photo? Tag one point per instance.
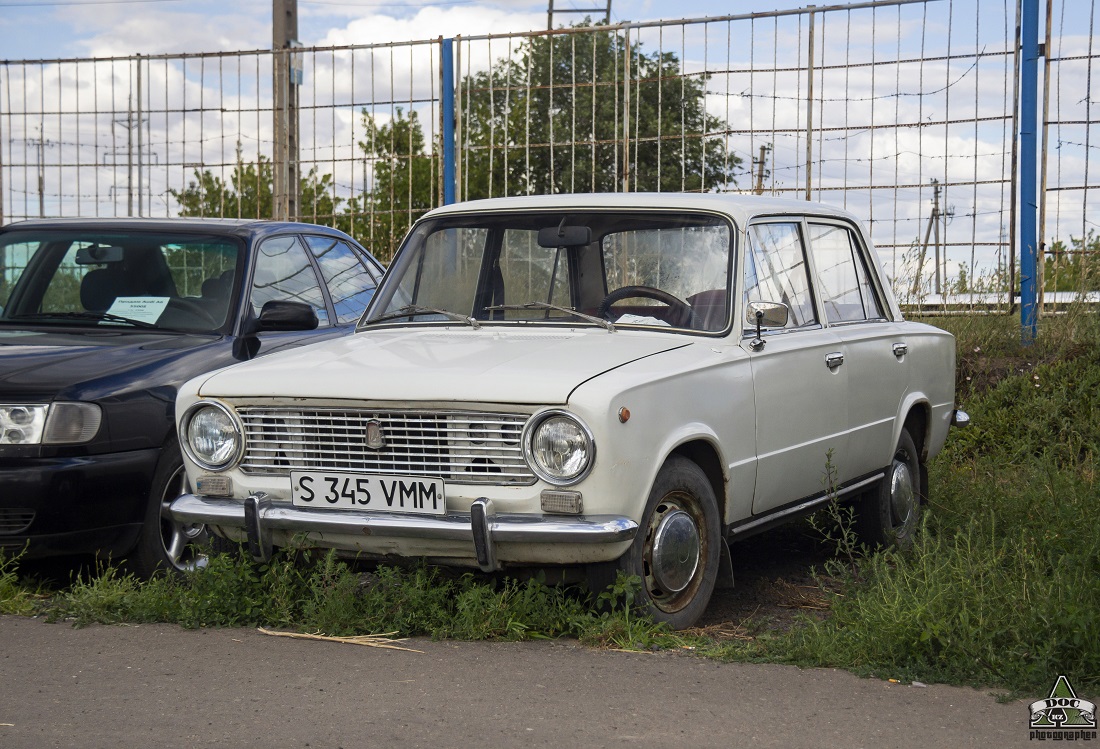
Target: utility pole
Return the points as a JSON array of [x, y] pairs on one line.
[[551, 10], [287, 77], [130, 122], [759, 188], [933, 230], [41, 144]]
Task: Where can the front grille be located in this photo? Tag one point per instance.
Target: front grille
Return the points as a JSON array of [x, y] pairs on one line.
[[15, 521], [461, 446]]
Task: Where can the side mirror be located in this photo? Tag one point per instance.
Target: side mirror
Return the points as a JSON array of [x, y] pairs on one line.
[[274, 315], [286, 315], [766, 315]]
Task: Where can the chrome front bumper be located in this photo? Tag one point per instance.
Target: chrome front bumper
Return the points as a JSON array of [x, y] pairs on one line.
[[258, 515]]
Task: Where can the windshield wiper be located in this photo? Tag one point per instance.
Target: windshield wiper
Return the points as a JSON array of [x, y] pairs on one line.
[[409, 310], [558, 308], [97, 316]]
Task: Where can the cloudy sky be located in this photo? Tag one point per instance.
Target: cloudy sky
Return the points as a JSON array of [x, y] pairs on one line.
[[50, 29], [961, 153]]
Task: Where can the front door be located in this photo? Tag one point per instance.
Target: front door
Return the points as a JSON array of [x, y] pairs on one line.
[[799, 380]]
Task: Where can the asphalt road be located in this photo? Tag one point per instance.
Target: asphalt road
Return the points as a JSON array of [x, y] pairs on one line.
[[162, 686]]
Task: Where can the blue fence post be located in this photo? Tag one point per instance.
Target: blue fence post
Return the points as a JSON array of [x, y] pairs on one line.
[[448, 106], [1029, 159]]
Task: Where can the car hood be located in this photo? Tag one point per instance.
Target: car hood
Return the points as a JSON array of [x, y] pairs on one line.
[[488, 365], [43, 365]]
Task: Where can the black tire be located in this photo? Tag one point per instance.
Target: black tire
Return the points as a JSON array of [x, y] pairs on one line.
[[163, 544], [676, 587], [889, 514]]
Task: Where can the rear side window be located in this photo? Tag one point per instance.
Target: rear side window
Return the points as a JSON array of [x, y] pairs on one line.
[[776, 271], [844, 283], [350, 284]]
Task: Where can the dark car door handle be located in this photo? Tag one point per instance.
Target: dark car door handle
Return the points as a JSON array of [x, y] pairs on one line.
[[832, 361], [900, 349]]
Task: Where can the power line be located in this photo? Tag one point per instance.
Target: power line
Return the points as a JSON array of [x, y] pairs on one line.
[[77, 3]]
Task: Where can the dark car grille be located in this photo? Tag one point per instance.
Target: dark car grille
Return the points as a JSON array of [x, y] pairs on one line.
[[460, 446], [15, 521]]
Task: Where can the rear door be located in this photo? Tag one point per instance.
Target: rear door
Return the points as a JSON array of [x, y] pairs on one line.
[[874, 349]]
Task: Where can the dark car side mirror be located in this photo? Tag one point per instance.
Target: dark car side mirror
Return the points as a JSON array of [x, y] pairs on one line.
[[274, 315], [286, 315]]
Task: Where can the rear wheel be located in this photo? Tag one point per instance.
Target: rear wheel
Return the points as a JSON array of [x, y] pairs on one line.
[[676, 551], [890, 513]]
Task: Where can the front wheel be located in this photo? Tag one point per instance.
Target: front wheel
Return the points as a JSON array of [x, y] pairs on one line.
[[676, 552], [165, 544], [890, 513]]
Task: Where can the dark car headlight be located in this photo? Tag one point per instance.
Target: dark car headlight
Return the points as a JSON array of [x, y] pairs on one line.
[[559, 447], [49, 424], [211, 435]]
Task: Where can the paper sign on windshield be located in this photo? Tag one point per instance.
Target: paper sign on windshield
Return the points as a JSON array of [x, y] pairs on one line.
[[144, 308]]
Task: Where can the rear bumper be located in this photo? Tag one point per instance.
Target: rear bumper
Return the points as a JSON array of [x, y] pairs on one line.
[[481, 531]]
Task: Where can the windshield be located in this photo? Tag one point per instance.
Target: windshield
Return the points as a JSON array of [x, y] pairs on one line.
[[117, 278], [647, 269]]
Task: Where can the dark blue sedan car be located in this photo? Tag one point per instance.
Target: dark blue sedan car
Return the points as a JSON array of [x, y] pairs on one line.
[[101, 320]]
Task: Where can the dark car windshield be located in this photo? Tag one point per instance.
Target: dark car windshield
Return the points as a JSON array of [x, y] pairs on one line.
[[117, 278], [655, 269]]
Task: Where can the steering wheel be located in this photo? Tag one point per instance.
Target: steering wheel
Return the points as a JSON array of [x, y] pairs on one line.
[[686, 311], [189, 307]]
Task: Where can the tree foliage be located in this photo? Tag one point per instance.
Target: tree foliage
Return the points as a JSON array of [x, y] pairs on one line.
[[249, 193], [550, 118], [405, 185], [1076, 268]]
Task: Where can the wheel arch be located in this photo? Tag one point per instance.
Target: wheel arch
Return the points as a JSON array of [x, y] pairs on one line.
[[705, 455], [918, 422]]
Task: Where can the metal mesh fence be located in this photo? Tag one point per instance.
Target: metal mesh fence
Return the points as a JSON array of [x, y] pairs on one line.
[[902, 111]]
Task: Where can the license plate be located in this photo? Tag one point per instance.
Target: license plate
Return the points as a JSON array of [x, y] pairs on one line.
[[358, 491]]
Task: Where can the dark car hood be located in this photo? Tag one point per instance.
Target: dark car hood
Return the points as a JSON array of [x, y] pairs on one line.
[[42, 365]]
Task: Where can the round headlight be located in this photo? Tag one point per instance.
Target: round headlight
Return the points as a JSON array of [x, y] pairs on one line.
[[212, 437], [559, 448]]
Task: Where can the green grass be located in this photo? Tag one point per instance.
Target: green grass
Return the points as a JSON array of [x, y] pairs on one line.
[[1001, 588], [311, 591]]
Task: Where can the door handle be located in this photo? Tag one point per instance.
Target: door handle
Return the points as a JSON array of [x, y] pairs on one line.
[[834, 360], [900, 350]]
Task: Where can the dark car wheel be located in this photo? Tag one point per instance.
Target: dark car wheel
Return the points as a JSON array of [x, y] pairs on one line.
[[165, 544], [890, 513], [676, 551]]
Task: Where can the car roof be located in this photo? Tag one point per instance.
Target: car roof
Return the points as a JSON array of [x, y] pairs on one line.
[[254, 228], [741, 208]]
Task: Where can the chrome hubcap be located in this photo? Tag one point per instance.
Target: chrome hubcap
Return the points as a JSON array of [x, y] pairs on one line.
[[902, 496], [676, 551]]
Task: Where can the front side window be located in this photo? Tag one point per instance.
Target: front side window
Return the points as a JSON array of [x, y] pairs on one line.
[[284, 273], [776, 271], [651, 269]]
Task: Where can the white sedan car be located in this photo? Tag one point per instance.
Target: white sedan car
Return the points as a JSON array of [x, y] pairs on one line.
[[597, 382]]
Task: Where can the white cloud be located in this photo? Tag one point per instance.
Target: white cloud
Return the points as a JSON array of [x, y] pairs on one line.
[[429, 23]]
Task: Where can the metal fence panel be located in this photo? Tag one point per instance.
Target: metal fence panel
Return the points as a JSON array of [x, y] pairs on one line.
[[902, 111]]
